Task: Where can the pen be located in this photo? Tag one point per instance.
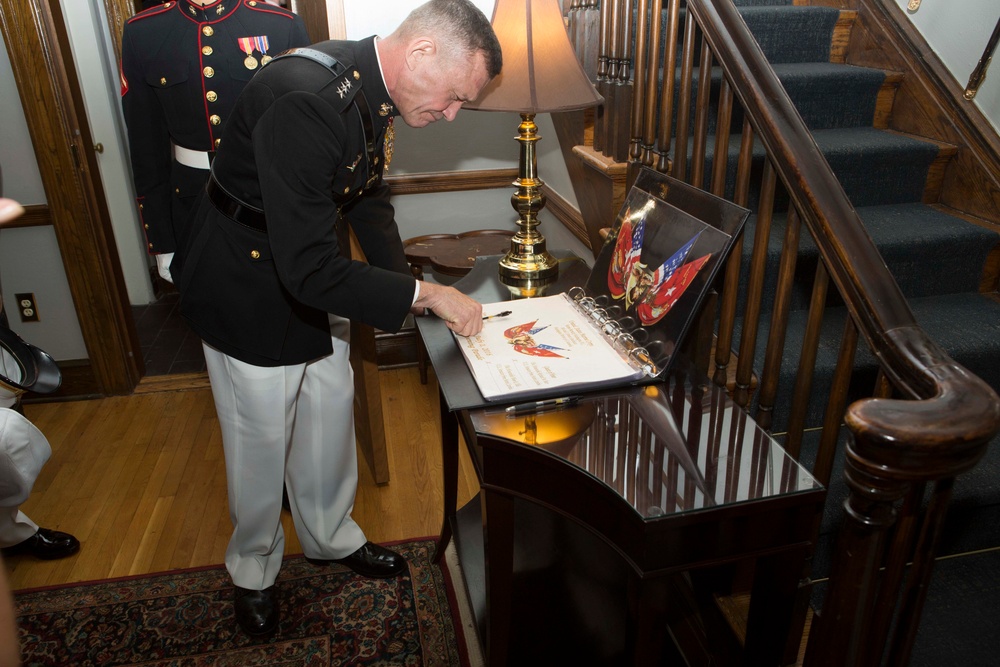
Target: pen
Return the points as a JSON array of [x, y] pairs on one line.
[[541, 405], [503, 314]]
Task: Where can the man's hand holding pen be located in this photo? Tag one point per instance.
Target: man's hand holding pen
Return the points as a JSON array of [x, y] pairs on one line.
[[460, 313]]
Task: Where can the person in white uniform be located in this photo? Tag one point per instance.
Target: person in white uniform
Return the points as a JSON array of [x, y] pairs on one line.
[[23, 448]]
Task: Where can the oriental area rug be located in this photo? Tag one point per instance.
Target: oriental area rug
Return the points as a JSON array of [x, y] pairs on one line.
[[330, 617]]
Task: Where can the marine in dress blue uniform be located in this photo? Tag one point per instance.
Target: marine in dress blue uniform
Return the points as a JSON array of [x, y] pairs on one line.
[[183, 67], [264, 283]]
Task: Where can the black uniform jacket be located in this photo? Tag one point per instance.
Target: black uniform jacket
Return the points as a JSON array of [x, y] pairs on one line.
[[183, 67], [295, 147]]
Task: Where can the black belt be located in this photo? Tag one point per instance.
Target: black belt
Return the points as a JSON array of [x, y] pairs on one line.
[[233, 208]]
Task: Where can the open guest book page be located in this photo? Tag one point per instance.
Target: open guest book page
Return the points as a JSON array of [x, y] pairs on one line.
[[623, 326]]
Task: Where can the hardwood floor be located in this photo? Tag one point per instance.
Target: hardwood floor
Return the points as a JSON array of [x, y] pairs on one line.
[[140, 480]]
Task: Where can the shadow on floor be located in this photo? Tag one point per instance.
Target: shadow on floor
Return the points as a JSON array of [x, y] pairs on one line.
[[168, 344]]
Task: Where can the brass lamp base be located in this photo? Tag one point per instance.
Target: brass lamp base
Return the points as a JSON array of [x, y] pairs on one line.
[[528, 269]]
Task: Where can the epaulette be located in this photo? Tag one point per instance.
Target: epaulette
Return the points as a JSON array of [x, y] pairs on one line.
[[261, 6], [346, 80], [153, 11]]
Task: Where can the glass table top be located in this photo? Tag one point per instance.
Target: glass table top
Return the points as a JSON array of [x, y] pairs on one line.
[[665, 448]]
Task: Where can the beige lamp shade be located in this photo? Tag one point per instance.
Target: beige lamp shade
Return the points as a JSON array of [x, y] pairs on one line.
[[541, 72]]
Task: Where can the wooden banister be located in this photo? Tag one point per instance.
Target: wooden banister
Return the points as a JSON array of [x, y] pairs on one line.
[[928, 420]]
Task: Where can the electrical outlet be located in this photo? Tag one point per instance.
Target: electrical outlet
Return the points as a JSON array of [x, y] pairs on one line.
[[27, 307]]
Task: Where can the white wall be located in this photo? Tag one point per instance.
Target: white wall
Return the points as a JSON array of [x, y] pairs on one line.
[[29, 257], [363, 19], [958, 32]]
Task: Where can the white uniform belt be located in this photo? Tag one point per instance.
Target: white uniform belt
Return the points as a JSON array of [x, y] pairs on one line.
[[190, 158]]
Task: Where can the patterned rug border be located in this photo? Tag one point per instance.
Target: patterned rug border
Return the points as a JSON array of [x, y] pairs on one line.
[[204, 568], [434, 635]]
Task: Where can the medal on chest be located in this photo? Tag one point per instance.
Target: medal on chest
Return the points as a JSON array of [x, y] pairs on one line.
[[246, 46]]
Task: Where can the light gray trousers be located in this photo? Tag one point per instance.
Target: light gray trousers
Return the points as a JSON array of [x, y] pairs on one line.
[[291, 426]]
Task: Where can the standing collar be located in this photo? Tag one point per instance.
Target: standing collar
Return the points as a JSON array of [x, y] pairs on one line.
[[210, 12], [375, 88]]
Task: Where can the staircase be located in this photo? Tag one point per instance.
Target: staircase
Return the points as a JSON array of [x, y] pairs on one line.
[[942, 249]]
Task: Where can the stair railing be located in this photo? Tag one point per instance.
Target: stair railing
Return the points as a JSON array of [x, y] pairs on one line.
[[928, 419]]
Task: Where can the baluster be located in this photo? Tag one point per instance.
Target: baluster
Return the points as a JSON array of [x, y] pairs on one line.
[[779, 322], [644, 95], [622, 123], [836, 403], [701, 117], [807, 362], [680, 158], [755, 289], [603, 112], [731, 284], [669, 84], [590, 21], [723, 122], [904, 534], [920, 574]]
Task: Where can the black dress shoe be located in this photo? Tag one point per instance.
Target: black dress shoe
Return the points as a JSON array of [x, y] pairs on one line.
[[257, 612], [371, 560], [45, 544]]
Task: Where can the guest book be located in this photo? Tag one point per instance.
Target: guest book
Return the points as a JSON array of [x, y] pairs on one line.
[[624, 325]]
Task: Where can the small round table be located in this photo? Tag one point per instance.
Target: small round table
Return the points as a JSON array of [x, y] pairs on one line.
[[454, 254]]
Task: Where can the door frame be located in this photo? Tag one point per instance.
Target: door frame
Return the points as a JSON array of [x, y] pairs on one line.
[[37, 42]]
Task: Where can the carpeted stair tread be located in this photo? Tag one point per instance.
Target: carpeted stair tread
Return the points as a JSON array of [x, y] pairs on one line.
[[958, 624], [832, 95], [789, 34], [808, 38], [910, 238], [827, 95], [875, 167], [966, 325], [763, 3]]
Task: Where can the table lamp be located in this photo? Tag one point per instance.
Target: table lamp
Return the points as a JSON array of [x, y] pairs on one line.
[[541, 73]]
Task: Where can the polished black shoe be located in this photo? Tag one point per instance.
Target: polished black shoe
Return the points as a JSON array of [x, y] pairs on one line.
[[372, 560], [257, 612], [45, 544]]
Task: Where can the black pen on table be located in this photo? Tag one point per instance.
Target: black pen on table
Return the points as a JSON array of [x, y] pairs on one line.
[[490, 317], [541, 405]]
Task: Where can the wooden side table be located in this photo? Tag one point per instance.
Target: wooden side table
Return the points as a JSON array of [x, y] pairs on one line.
[[591, 516], [451, 255]]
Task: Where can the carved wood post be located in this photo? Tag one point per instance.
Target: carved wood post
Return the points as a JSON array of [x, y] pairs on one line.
[[838, 633]]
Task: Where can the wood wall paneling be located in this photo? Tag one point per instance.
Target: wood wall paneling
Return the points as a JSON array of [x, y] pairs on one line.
[[929, 103]]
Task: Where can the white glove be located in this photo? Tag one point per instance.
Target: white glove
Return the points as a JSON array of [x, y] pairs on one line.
[[163, 266]]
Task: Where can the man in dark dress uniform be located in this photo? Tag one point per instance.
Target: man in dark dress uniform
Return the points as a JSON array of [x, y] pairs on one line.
[[184, 63], [262, 279]]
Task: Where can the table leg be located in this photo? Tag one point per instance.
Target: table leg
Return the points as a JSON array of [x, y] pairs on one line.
[[647, 627], [498, 530], [772, 606], [449, 466]]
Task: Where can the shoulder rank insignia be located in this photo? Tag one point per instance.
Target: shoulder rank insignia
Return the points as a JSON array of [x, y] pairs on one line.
[[344, 87]]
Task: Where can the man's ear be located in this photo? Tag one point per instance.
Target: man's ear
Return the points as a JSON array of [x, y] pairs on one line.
[[418, 49]]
